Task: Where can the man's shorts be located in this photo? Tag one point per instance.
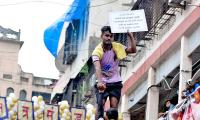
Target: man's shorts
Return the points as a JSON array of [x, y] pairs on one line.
[[112, 90]]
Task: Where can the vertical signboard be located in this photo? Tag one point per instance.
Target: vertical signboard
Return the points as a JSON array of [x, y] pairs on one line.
[[51, 112], [78, 113], [25, 110], [3, 108]]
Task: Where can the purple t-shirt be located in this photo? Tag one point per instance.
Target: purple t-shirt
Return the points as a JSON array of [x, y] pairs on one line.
[[109, 67]]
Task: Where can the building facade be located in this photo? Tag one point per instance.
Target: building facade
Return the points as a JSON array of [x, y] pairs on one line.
[[167, 58], [12, 78]]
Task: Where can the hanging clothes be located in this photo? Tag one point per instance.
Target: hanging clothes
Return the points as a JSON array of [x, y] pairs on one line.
[[188, 114], [195, 110]]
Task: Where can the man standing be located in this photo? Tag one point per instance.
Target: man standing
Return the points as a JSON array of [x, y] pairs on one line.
[[106, 58]]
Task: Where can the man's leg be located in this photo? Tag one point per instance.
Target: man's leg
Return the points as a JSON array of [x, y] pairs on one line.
[[115, 95], [113, 111], [100, 103], [113, 102], [101, 98]]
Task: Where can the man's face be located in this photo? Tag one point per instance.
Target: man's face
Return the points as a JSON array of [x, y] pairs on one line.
[[168, 104], [106, 37]]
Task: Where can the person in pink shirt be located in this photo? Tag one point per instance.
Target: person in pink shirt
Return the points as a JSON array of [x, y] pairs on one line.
[[109, 81]]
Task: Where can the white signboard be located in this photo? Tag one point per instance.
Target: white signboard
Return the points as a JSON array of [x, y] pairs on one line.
[[132, 21]]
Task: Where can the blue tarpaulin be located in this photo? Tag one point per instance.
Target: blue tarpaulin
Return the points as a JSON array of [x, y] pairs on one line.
[[52, 33]]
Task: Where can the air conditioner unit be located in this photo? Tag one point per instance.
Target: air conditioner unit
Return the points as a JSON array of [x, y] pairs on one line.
[[179, 1], [189, 1]]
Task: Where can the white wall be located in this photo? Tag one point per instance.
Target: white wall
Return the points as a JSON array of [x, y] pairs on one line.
[[137, 94]]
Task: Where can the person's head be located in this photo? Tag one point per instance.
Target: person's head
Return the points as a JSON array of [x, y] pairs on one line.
[[112, 114], [106, 34], [197, 96], [167, 103], [196, 92]]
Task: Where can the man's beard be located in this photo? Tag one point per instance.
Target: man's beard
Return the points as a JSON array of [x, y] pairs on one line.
[[108, 42]]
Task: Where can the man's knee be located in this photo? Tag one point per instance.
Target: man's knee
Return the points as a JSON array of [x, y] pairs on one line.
[[114, 102]]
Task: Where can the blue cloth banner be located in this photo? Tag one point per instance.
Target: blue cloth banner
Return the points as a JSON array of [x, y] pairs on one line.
[[52, 33]]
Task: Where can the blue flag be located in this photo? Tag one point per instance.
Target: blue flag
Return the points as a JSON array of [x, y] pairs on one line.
[[52, 33]]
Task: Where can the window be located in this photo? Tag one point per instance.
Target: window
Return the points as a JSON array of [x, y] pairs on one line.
[[22, 95], [71, 42], [121, 38], [24, 79], [7, 76], [154, 10], [9, 90], [76, 33]]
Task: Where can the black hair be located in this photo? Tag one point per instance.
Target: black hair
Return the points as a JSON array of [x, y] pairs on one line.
[[167, 100], [105, 28], [112, 113]]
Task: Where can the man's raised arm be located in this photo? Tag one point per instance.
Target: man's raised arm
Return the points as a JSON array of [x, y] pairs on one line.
[[132, 44]]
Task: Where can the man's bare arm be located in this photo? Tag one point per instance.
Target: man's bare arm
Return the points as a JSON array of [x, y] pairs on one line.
[[100, 85], [132, 44], [98, 70]]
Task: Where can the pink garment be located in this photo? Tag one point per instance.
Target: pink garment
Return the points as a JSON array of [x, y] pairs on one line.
[[196, 110], [109, 67], [188, 114]]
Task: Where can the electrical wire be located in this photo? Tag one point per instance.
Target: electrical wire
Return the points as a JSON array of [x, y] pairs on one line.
[[169, 88], [51, 2], [104, 4], [183, 75], [35, 1], [139, 108]]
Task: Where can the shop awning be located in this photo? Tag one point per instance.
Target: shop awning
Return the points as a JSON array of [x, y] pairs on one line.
[[65, 78]]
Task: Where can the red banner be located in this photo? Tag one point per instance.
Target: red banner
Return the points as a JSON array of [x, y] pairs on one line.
[[25, 110], [78, 113], [51, 112]]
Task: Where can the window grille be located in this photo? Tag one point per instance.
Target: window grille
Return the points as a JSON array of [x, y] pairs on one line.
[[9, 90], [22, 95], [71, 42], [153, 9]]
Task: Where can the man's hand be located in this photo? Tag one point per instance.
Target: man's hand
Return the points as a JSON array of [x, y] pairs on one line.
[[130, 34], [101, 86]]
